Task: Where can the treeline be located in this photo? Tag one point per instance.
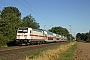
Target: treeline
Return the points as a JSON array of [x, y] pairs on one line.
[[10, 20], [83, 37]]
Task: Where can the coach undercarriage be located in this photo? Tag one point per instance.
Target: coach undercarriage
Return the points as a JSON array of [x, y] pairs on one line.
[[29, 41]]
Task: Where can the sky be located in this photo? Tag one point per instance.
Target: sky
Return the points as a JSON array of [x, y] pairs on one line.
[[54, 13]]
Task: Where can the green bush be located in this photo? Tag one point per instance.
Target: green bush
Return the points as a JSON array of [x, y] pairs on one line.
[[3, 40]]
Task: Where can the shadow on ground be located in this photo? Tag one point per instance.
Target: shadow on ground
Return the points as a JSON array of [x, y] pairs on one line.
[[12, 43]]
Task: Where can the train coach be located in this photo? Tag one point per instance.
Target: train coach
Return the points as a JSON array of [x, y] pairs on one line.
[[31, 36]]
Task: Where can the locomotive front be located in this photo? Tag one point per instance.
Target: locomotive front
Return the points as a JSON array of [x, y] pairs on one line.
[[23, 36]]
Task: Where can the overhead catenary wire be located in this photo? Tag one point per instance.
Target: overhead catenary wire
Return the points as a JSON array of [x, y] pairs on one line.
[[39, 13], [3, 3], [30, 10], [21, 4], [34, 12], [44, 18]]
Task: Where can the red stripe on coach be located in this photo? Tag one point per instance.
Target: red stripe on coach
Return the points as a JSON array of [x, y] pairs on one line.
[[25, 35], [33, 35], [18, 35], [41, 36]]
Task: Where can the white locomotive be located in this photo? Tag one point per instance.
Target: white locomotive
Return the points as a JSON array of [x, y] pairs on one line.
[[29, 36]]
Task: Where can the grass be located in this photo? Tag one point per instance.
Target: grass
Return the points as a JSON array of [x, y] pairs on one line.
[[56, 53], [2, 58], [36, 52], [68, 54], [29, 53]]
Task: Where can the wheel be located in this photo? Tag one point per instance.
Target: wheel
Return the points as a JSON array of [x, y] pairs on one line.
[[27, 44]]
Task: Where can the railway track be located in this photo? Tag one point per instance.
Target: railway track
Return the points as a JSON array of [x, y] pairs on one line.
[[14, 50], [22, 47]]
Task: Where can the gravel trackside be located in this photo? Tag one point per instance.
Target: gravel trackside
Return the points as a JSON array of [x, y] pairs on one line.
[[83, 51]]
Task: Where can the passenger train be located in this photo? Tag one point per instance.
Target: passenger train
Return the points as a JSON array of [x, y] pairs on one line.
[[31, 36]]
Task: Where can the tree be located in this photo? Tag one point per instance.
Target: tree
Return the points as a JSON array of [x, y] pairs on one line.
[[78, 36], [81, 37], [10, 11], [88, 37], [59, 30], [10, 21], [29, 21], [3, 40]]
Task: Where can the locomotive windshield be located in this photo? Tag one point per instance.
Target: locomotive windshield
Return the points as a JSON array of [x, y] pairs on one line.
[[22, 30]]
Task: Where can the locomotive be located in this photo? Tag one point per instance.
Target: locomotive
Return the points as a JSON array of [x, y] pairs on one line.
[[28, 36]]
